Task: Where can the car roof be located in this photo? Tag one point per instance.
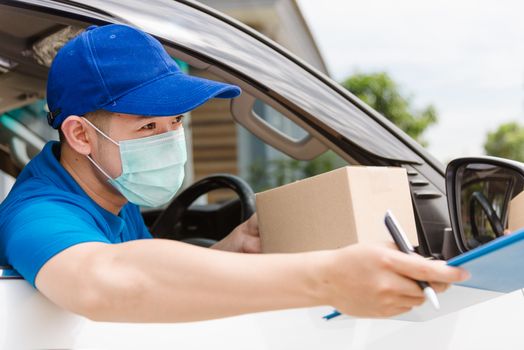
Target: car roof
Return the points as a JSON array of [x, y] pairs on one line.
[[224, 45]]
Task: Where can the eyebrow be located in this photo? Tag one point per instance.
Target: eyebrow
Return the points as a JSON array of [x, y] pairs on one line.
[[148, 117]]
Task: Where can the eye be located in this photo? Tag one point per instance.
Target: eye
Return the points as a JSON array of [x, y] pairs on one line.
[[178, 119], [149, 126]]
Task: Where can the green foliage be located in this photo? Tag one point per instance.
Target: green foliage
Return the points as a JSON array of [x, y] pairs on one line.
[[380, 92], [506, 142], [278, 172]]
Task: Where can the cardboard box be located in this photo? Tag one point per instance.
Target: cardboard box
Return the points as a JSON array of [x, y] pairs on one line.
[[516, 213], [335, 209]]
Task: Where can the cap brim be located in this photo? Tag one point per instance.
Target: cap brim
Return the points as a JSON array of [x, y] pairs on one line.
[[172, 94]]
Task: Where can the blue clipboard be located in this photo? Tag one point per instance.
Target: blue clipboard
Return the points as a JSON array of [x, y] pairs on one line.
[[496, 266]]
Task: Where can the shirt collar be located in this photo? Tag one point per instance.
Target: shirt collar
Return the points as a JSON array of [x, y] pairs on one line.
[[56, 173]]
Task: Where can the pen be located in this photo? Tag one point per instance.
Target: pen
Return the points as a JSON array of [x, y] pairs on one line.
[[334, 314], [405, 246]]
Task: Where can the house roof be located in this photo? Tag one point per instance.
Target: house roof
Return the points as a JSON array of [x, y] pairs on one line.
[[280, 20]]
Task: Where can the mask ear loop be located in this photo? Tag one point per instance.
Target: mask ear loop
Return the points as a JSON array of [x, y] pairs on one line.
[[100, 131], [91, 159], [98, 167]]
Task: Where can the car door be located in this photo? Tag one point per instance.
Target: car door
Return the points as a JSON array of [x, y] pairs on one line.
[[332, 119]]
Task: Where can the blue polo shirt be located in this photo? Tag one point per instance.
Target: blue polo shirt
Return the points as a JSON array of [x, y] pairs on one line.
[[47, 212]]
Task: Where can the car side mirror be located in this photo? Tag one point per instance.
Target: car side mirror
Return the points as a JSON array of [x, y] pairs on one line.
[[480, 191]]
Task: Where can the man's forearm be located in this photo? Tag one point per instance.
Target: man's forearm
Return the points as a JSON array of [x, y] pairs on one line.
[[166, 281]]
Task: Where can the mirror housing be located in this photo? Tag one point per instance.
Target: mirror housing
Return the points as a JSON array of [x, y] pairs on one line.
[[479, 192]]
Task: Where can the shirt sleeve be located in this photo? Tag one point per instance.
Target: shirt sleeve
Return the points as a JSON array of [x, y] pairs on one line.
[[39, 231]]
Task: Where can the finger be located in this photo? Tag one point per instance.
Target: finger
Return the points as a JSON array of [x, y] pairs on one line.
[[407, 301], [400, 310], [390, 245], [252, 245], [253, 232], [400, 286], [253, 226], [392, 312], [418, 268], [252, 218], [408, 288], [439, 287]]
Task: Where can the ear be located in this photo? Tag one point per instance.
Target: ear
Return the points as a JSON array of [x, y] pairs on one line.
[[78, 135]]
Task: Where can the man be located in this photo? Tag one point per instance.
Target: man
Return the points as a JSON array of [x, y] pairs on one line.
[[71, 225]]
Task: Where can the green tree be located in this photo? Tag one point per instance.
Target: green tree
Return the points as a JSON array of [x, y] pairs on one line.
[[506, 142], [383, 94]]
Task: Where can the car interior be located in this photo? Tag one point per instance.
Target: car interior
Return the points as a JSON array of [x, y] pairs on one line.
[[218, 193]]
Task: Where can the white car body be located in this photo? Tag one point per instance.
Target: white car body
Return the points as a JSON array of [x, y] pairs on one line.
[[30, 321]]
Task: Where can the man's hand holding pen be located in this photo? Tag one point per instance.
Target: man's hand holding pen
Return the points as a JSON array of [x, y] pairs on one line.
[[395, 281], [374, 281]]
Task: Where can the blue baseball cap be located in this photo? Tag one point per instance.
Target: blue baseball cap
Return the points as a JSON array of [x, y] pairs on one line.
[[121, 69]]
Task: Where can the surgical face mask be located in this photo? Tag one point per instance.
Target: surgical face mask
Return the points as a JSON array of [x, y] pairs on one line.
[[152, 167]]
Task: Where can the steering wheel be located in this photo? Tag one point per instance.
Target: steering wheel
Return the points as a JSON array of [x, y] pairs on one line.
[[168, 224], [491, 214]]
